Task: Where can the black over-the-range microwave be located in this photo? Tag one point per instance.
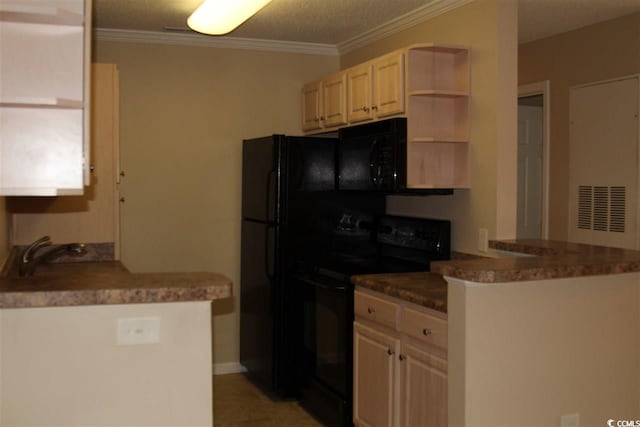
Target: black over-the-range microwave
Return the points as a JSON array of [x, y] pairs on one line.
[[373, 157]]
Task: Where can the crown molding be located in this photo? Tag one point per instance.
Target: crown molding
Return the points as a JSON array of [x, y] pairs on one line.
[[192, 39], [408, 20]]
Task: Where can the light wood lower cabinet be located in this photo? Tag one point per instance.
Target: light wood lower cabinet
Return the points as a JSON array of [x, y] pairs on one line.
[[375, 377], [424, 390], [400, 363]]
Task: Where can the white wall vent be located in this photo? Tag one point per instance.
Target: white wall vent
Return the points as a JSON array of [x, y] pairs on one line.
[[602, 208]]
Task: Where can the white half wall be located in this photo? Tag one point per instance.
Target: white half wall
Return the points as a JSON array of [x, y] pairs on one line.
[[62, 367], [527, 353]]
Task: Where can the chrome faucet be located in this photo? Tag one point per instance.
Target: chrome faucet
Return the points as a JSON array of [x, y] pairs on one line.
[[30, 261]]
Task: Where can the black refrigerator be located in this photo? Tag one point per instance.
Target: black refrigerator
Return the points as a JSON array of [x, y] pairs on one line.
[[277, 170]]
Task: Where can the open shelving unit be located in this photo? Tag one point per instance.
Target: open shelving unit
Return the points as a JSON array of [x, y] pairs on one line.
[[44, 81], [438, 91]]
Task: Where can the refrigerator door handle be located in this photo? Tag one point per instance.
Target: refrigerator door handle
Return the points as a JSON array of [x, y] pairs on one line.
[[269, 253], [270, 175]]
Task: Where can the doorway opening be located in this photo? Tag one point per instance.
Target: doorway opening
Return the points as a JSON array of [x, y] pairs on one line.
[[533, 161]]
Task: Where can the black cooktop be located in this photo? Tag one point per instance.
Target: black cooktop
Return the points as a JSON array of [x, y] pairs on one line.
[[392, 244]]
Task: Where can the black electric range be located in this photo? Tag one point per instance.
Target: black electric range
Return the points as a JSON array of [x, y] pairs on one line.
[[359, 244]]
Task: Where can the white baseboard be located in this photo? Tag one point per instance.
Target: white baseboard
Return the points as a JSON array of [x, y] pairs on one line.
[[228, 368]]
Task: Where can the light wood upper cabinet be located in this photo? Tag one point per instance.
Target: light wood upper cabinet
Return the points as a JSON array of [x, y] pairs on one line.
[[376, 88], [324, 103], [430, 85], [399, 363], [44, 96], [359, 93], [312, 106], [388, 85], [334, 99], [438, 91]]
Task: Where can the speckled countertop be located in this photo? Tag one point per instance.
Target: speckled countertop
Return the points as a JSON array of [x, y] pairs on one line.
[[549, 260], [107, 282], [426, 289]]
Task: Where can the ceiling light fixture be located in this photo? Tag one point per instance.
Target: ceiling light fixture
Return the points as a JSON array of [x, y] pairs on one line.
[[217, 17]]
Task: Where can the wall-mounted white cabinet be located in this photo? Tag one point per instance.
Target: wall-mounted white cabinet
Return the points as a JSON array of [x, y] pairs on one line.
[[44, 96]]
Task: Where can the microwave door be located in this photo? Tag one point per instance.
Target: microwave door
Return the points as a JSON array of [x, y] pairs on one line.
[[366, 163], [357, 164]]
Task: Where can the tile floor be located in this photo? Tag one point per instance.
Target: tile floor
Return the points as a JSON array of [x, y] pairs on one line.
[[238, 403]]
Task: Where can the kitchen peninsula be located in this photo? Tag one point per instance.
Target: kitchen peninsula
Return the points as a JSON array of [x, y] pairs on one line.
[[536, 340], [90, 343]]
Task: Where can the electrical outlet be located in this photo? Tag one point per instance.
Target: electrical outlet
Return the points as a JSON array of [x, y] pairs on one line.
[[570, 420], [483, 240], [137, 330]]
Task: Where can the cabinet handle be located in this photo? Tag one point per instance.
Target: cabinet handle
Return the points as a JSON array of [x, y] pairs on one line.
[[374, 107], [321, 117], [402, 357], [370, 310], [390, 352], [426, 331], [365, 109], [121, 199]]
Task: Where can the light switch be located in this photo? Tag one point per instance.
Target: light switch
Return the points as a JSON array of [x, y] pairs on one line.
[[570, 420], [138, 330], [483, 240]]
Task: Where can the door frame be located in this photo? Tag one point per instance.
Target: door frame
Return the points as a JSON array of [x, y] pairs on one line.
[[542, 88]]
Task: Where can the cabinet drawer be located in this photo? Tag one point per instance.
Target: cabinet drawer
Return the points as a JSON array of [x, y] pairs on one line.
[[425, 327], [376, 309]]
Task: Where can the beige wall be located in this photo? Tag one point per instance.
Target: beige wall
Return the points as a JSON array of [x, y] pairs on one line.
[[184, 111], [597, 52], [489, 28], [526, 353], [61, 367], [4, 230]]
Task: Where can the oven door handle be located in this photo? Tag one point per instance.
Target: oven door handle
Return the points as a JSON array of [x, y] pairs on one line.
[[316, 284]]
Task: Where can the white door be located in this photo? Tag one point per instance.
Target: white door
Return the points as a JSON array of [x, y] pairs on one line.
[[604, 163], [529, 168]]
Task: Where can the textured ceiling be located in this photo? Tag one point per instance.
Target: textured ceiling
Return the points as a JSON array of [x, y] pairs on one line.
[[336, 21], [312, 21]]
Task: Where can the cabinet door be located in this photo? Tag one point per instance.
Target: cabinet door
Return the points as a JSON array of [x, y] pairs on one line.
[[359, 98], [388, 88], [424, 387], [375, 377], [334, 99], [94, 216], [311, 105], [44, 97]]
